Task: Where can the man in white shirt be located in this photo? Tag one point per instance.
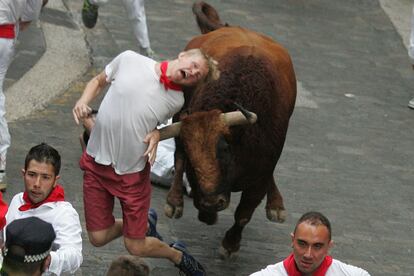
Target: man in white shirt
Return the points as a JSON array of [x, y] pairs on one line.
[[44, 198], [15, 15], [311, 241], [123, 143]]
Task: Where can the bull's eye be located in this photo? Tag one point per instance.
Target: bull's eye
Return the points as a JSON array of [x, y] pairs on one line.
[[223, 150]]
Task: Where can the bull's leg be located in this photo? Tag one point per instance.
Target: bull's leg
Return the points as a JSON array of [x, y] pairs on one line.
[[250, 199], [209, 218], [275, 210], [175, 202]]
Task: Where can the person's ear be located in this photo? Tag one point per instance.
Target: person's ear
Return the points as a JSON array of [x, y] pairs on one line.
[[56, 179], [330, 244], [23, 172], [292, 236], [46, 263], [180, 55]]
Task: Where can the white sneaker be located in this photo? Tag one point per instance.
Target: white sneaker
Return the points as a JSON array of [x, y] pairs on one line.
[[411, 103]]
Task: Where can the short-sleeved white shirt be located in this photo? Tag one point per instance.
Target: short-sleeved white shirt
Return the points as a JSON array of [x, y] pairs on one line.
[[136, 102], [11, 11], [337, 268]]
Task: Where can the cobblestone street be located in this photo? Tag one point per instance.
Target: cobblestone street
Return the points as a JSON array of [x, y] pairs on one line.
[[349, 151]]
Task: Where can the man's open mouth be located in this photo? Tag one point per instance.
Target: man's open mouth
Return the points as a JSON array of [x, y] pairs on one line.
[[184, 74]]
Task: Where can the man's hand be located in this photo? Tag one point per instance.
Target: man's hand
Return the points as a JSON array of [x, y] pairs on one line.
[[23, 25], [46, 264], [81, 111], [152, 140], [92, 89]]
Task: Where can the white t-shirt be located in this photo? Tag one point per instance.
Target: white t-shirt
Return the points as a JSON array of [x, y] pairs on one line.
[[11, 11], [337, 268], [136, 102]]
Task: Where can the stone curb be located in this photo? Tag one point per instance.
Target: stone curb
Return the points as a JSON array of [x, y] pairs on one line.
[[65, 60]]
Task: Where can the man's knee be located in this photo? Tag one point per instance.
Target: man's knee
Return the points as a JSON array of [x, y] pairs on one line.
[[97, 239], [136, 247]]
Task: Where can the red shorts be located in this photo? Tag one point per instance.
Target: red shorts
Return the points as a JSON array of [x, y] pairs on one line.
[[101, 185]]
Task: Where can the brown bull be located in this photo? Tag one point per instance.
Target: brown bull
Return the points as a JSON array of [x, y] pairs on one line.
[[258, 74]]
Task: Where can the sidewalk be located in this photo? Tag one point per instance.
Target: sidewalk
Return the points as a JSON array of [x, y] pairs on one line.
[[50, 56]]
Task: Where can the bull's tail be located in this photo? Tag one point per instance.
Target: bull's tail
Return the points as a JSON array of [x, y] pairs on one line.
[[207, 17]]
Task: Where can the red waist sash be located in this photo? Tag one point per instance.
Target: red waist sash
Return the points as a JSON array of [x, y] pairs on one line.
[[7, 31]]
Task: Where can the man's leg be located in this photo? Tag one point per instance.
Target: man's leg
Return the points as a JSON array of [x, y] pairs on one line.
[[90, 12], [6, 54], [176, 253], [98, 203], [152, 247], [136, 14], [102, 237]]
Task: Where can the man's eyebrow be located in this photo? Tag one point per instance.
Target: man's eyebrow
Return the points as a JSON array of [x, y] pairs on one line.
[[39, 173]]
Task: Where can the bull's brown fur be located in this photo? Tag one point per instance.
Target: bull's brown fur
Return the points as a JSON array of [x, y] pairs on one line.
[[203, 144], [258, 74], [248, 81]]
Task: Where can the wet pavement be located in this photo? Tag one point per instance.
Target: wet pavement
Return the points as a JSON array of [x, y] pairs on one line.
[[349, 150]]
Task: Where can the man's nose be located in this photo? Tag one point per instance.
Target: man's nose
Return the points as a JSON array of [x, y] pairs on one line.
[[194, 71], [37, 182], [308, 252]]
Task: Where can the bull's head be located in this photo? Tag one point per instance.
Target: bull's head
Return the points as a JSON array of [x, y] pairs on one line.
[[205, 135]]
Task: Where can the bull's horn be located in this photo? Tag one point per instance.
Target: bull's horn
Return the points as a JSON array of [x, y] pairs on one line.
[[230, 118], [170, 131], [238, 118]]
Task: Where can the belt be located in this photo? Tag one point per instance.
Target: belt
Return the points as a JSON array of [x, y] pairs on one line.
[[7, 31]]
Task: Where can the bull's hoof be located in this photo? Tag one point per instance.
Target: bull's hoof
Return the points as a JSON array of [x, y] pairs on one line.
[[173, 211], [227, 254], [276, 215], [207, 218]]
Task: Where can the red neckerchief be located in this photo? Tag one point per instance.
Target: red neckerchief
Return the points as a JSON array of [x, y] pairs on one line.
[[7, 31], [292, 270], [3, 211], [57, 194], [168, 84]]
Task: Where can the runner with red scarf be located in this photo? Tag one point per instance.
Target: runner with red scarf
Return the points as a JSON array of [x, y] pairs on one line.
[[45, 198], [123, 143], [3, 211], [15, 15], [311, 241]]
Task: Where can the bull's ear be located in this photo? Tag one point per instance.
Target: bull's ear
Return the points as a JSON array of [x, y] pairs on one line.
[[181, 54]]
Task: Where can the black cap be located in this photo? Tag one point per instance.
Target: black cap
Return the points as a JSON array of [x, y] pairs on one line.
[[28, 240]]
